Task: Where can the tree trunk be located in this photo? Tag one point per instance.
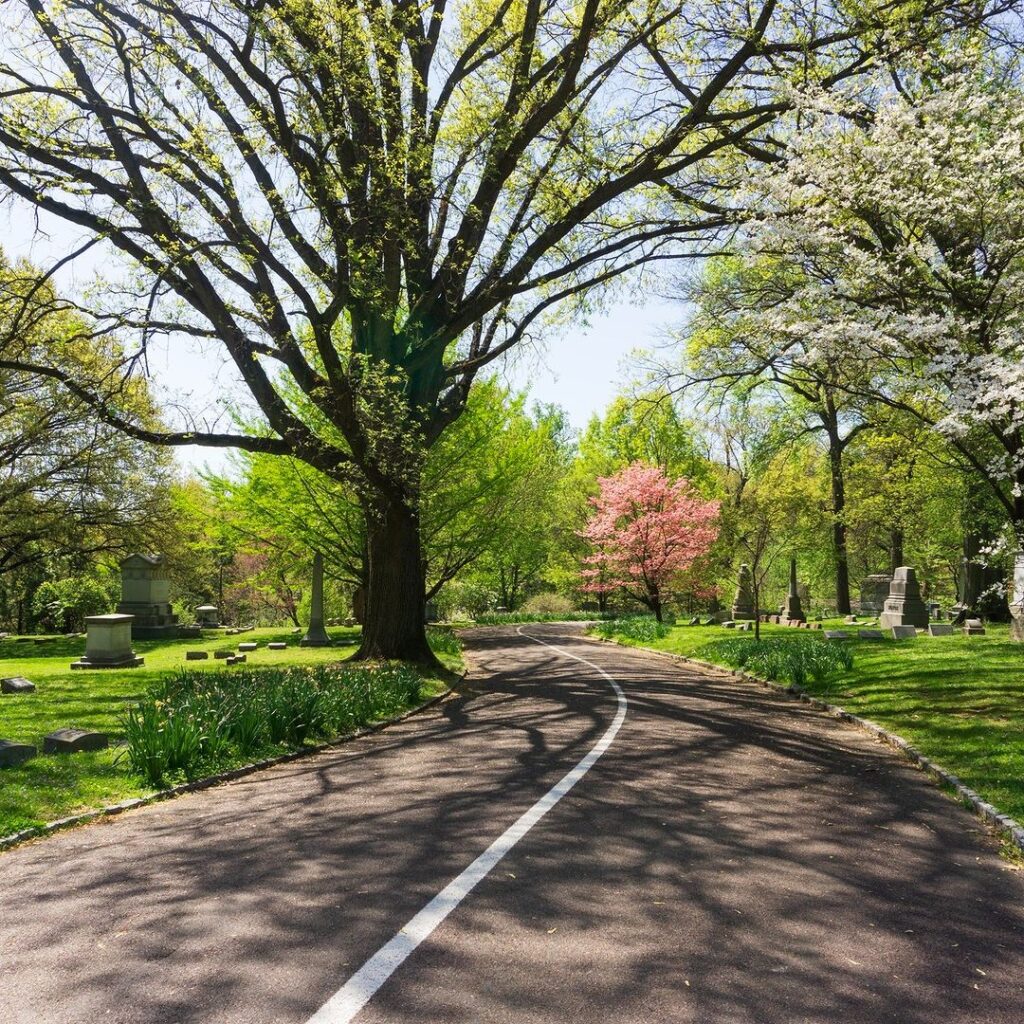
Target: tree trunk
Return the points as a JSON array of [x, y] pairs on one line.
[[839, 547], [895, 549], [395, 605], [654, 602]]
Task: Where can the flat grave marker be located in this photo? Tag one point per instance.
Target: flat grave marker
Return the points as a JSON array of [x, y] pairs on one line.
[[12, 754], [870, 634], [836, 634], [74, 741], [940, 629], [249, 645], [277, 646], [16, 684], [904, 632]]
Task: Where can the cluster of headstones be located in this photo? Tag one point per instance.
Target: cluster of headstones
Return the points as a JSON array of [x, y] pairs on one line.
[[232, 657], [60, 741]]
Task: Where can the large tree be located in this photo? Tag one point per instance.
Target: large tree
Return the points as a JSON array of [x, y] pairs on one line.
[[370, 202]]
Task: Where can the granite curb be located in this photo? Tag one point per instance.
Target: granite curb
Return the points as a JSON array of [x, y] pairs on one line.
[[207, 782], [1007, 827]]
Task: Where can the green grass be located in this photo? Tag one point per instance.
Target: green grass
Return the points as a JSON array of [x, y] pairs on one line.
[[47, 788], [958, 699]]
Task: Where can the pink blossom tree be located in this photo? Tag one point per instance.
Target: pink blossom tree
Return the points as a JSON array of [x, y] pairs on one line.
[[646, 531]]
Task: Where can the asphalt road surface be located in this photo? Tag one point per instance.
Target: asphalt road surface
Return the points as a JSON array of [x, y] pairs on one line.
[[726, 855]]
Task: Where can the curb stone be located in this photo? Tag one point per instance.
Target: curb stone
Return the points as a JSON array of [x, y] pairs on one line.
[[1007, 827], [209, 781]]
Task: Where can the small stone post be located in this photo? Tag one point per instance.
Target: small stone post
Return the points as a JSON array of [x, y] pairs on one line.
[[316, 635]]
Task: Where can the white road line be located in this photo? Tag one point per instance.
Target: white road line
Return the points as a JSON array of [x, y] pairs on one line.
[[343, 1006]]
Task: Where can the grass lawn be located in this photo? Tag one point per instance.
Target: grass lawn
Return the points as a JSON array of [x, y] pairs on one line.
[[47, 788], [958, 699]]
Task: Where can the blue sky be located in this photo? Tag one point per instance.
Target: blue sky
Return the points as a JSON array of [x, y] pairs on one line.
[[581, 370]]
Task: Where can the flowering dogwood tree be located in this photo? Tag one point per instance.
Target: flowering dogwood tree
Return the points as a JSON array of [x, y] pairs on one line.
[[646, 531], [908, 235]]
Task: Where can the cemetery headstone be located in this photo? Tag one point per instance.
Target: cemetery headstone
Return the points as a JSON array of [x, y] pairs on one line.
[[145, 594], [249, 645], [12, 754], [277, 645], [874, 590], [1017, 598], [197, 655], [729, 624], [695, 621], [108, 643], [792, 611], [208, 616], [316, 635], [904, 632], [870, 634], [74, 741], [903, 606], [16, 684], [940, 629], [836, 634], [850, 620], [744, 627], [224, 653], [709, 621], [743, 603], [974, 627]]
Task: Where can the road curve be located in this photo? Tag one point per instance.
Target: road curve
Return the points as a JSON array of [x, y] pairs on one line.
[[732, 856]]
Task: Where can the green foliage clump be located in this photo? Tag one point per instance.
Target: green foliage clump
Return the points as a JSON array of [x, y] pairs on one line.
[[549, 603], [443, 641], [198, 722], [794, 659], [640, 629]]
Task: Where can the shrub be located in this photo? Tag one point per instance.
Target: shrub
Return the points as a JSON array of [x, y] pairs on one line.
[[443, 641], [549, 604], [513, 618], [640, 629], [790, 658], [197, 722]]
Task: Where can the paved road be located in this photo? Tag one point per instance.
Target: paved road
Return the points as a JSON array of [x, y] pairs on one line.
[[732, 857]]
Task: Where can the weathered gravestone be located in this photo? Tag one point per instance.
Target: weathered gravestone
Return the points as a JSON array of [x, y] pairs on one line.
[[224, 653], [695, 621], [16, 684], [316, 635], [729, 624], [108, 643], [197, 655], [743, 603], [1017, 598], [792, 612], [12, 754], [249, 645], [903, 606], [874, 590], [277, 646], [74, 741], [870, 634], [904, 632], [145, 594], [710, 621], [744, 627], [940, 629], [974, 627], [208, 616], [836, 634]]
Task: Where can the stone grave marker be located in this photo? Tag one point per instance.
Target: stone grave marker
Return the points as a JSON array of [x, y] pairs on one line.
[[850, 620], [940, 629], [695, 621], [224, 653], [197, 655], [974, 627], [316, 635], [874, 591], [208, 616], [146, 595], [792, 610], [903, 606], [710, 621], [12, 754], [903, 632], [870, 634], [74, 741], [108, 643], [729, 624], [743, 603], [16, 684], [249, 645], [836, 634], [277, 646], [744, 627]]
